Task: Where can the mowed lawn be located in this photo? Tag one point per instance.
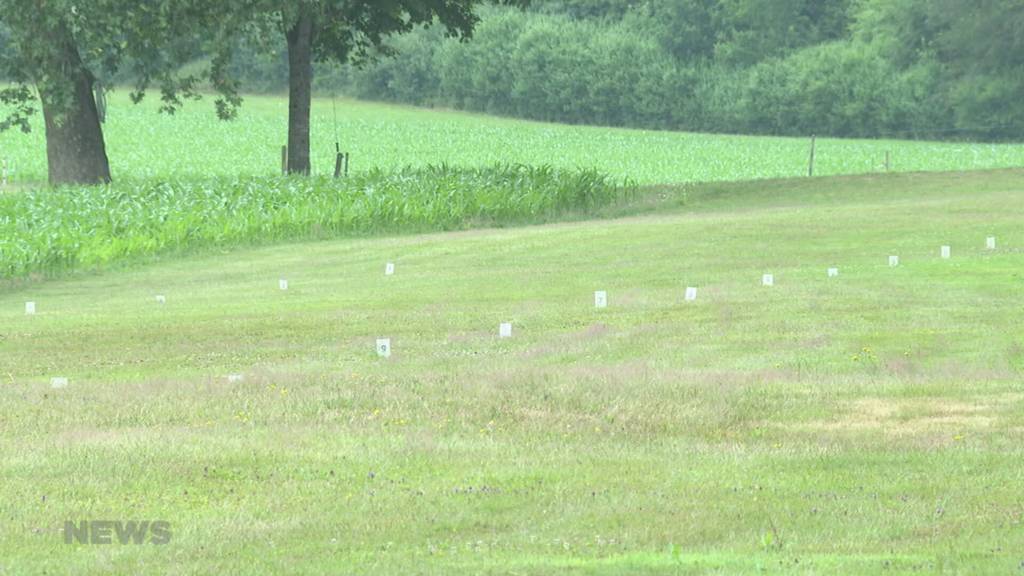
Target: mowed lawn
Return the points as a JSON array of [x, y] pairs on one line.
[[870, 423], [143, 144]]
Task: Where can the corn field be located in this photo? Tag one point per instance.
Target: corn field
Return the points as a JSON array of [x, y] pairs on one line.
[[52, 231]]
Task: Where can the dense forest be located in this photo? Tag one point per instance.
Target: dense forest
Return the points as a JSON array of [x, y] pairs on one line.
[[937, 69]]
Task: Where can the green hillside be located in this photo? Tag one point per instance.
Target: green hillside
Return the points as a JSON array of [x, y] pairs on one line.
[[143, 144]]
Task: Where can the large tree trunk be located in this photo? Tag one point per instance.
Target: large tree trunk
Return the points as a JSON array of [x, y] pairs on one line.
[[300, 90], [75, 151]]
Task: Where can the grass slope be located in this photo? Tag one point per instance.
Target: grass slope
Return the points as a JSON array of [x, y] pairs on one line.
[[868, 423], [144, 144]]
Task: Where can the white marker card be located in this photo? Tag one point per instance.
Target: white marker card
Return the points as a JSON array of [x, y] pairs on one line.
[[282, 284], [389, 269], [990, 242], [691, 294], [235, 378], [768, 280], [894, 260], [161, 299], [58, 382], [505, 330], [946, 252], [833, 272], [384, 347], [30, 308], [600, 299]]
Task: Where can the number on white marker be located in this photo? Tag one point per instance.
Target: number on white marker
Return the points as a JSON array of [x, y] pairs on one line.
[[282, 284], [768, 280], [389, 269], [946, 252], [691, 294], [505, 330], [600, 299], [30, 308], [894, 261], [161, 299], [384, 347]]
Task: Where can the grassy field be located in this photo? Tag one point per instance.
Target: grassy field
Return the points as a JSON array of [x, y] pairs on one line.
[[144, 144], [870, 423]]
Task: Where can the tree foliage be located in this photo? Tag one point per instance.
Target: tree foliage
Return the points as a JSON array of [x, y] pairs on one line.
[[918, 68], [145, 41]]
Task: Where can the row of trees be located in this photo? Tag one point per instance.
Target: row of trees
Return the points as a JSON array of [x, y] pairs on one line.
[[915, 68], [58, 47]]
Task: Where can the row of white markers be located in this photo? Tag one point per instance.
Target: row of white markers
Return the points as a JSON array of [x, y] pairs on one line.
[[505, 328]]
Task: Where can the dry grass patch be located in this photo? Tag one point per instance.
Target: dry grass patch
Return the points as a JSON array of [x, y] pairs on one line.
[[917, 418]]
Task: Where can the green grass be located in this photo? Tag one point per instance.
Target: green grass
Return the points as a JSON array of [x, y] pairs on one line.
[[145, 145], [75, 228], [867, 424]]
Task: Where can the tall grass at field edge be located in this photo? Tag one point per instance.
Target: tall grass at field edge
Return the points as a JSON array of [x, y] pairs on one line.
[[75, 228]]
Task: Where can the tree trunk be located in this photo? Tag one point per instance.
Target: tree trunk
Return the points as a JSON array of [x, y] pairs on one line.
[[75, 151], [300, 90]]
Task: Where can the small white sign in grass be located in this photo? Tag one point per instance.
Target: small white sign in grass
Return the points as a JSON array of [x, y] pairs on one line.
[[894, 261], [389, 269], [282, 284], [161, 299], [30, 308], [945, 252], [768, 280], [691, 294], [384, 347], [990, 242], [600, 299], [58, 382], [833, 272], [235, 378], [505, 330]]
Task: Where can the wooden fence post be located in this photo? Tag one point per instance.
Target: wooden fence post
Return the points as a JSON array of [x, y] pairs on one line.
[[337, 164], [810, 164]]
